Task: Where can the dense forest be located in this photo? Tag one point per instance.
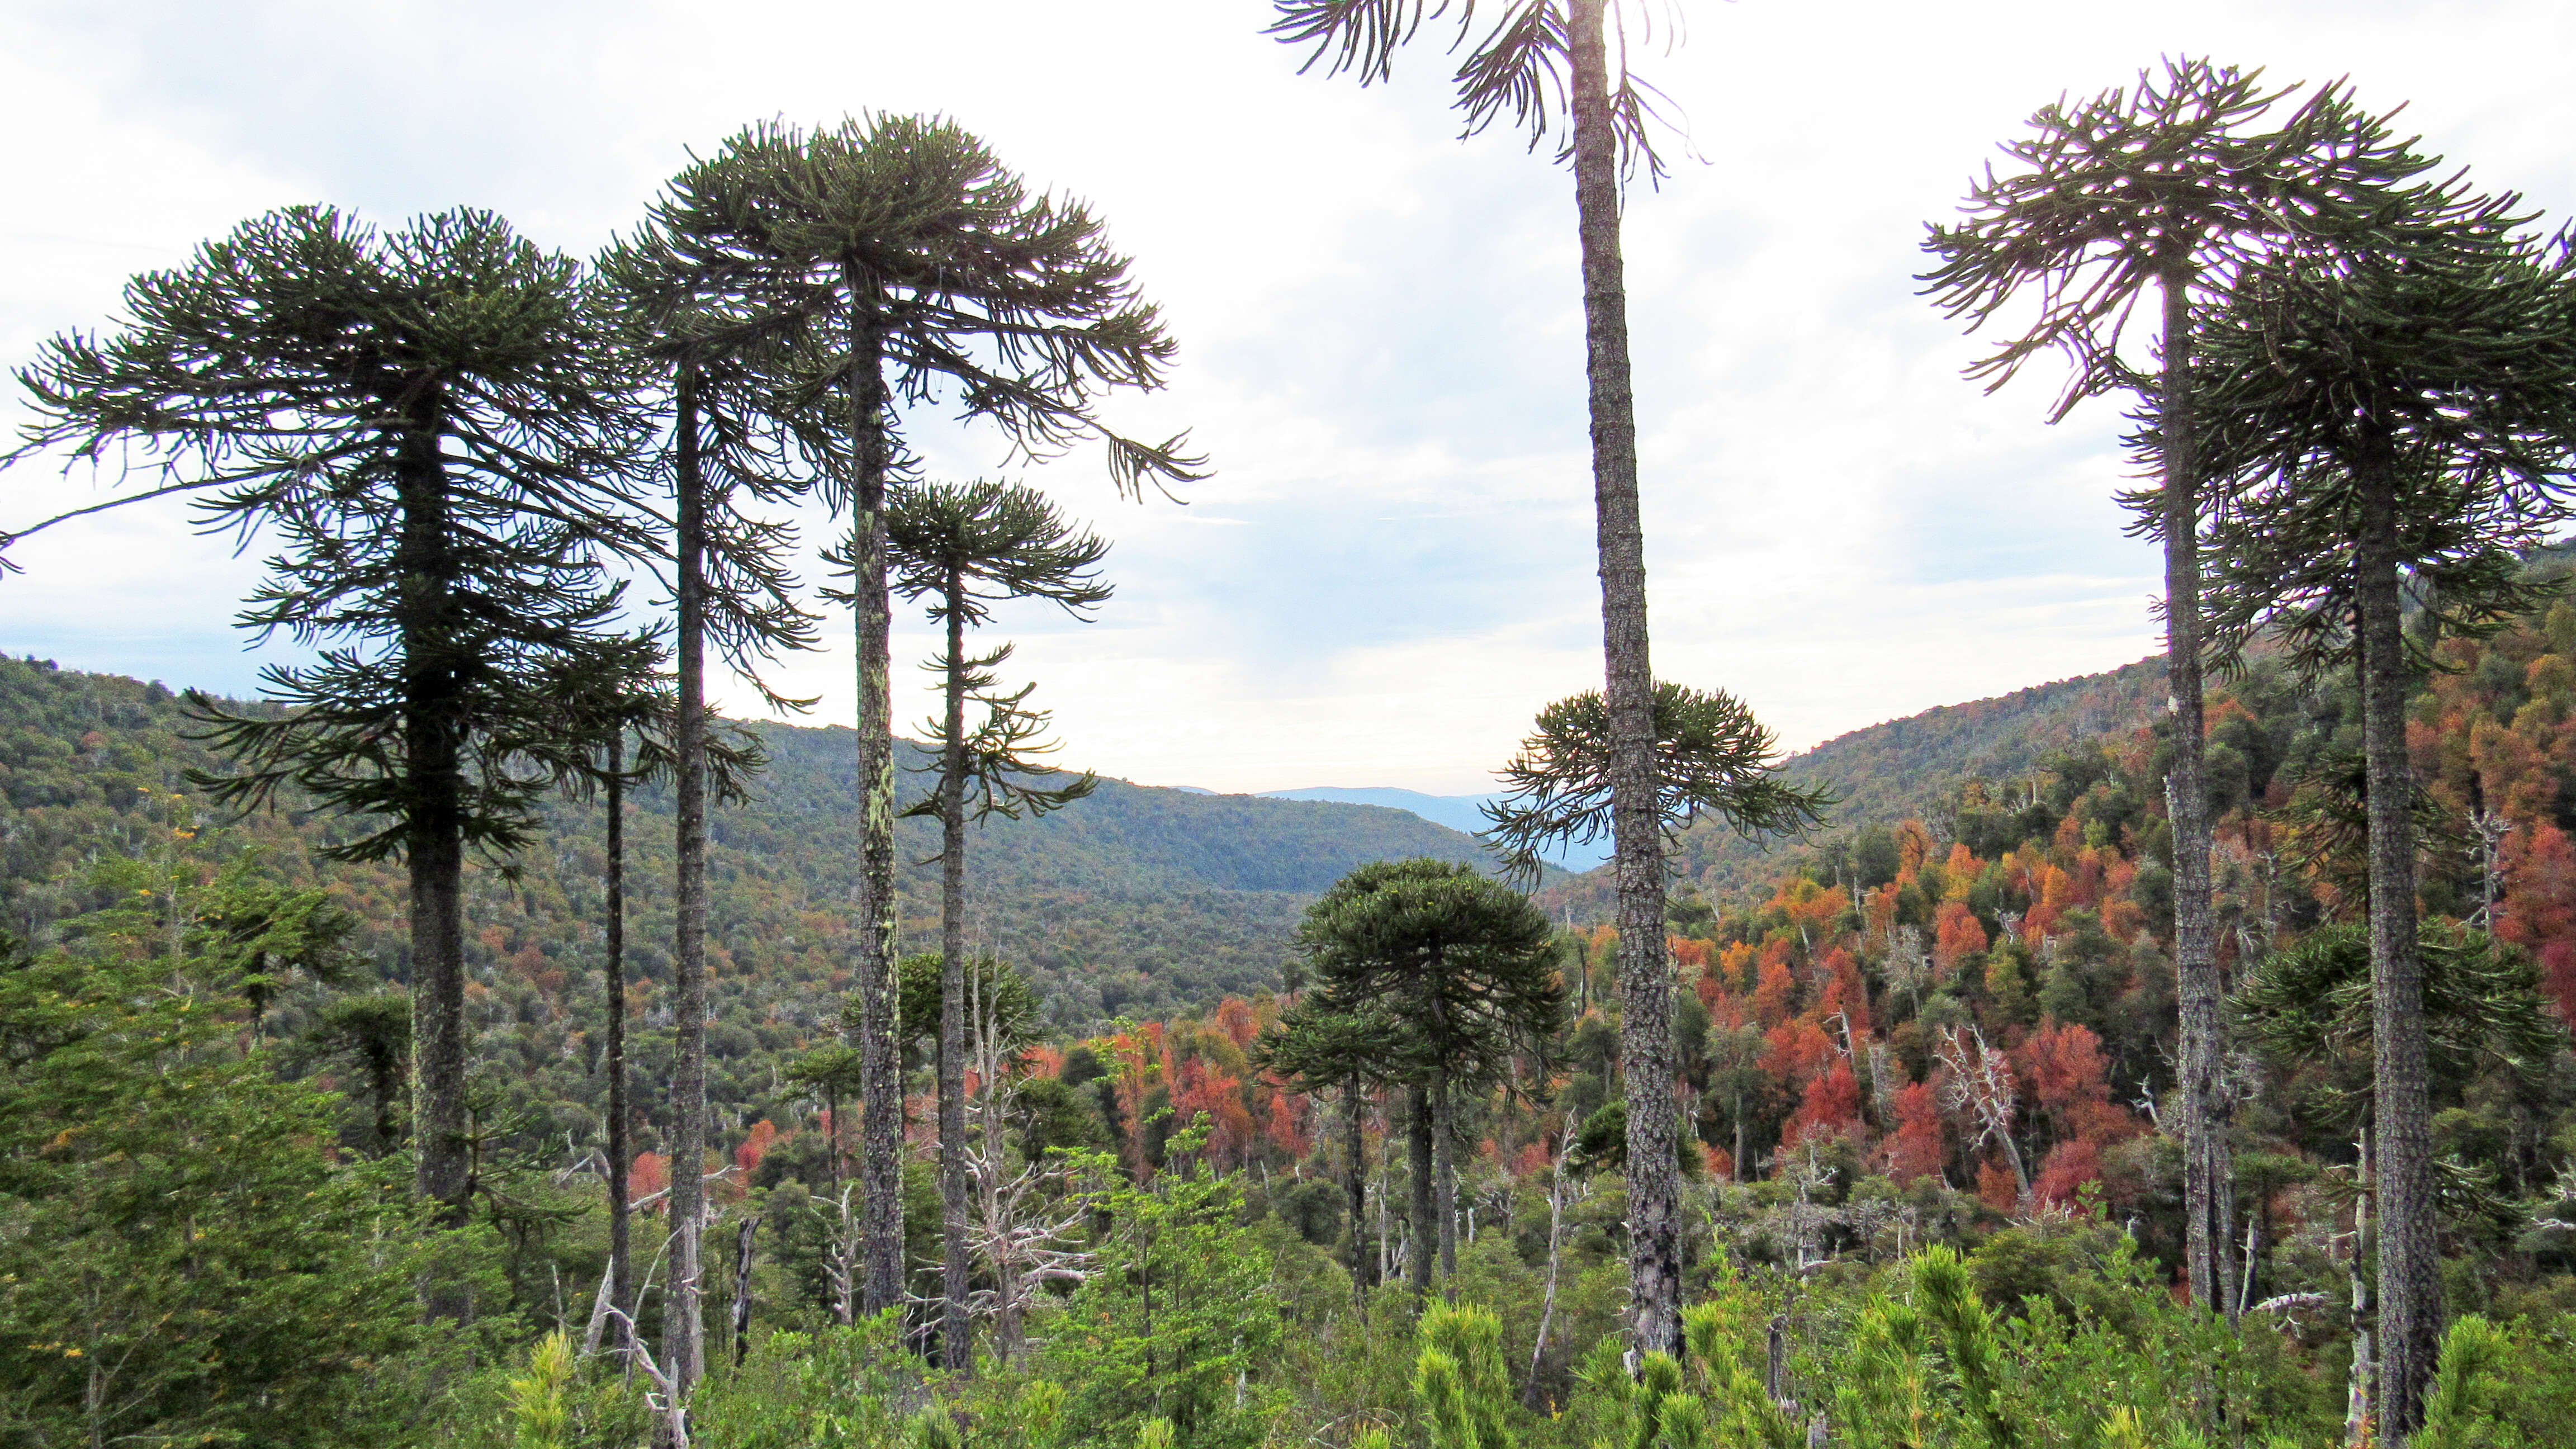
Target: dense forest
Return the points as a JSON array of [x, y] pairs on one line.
[[1949, 1026], [475, 1040]]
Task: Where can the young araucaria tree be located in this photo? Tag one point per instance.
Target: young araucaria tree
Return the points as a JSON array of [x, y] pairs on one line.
[[1709, 757], [2398, 398], [965, 548], [908, 264], [1563, 65], [2164, 186], [420, 418], [1466, 965], [1319, 1046]]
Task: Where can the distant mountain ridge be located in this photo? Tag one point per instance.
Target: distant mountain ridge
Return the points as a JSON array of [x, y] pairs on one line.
[[1137, 899], [1458, 812]]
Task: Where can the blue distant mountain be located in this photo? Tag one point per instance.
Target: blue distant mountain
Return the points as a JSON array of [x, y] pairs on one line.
[[1458, 812]]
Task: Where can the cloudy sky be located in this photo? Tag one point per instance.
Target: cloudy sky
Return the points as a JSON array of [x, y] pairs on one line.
[[1380, 326]]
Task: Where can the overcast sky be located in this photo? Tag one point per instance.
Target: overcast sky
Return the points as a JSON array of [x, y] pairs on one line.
[[1379, 327]]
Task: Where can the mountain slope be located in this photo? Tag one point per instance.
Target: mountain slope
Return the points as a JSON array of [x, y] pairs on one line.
[[1458, 812], [1907, 768], [1136, 899]]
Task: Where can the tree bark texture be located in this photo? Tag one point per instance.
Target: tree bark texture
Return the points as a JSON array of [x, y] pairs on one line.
[[683, 1319], [745, 1239], [880, 1071], [1444, 1179], [956, 1336], [1645, 976], [2209, 1194], [621, 1148], [433, 744], [1355, 1124], [1420, 1238], [2410, 1286]]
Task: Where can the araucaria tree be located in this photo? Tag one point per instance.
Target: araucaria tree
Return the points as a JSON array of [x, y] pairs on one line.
[[964, 548], [1712, 759], [908, 264], [419, 419], [705, 336], [1464, 964], [1551, 65], [2166, 185], [1320, 1046], [2393, 401]]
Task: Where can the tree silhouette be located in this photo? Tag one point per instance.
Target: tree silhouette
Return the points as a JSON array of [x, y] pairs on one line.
[[1545, 65], [422, 419], [2169, 184], [964, 548], [896, 260]]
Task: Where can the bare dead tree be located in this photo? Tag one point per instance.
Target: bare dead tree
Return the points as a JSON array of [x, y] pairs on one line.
[[1981, 1082]]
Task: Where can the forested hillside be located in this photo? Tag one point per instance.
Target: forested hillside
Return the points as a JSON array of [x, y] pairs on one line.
[[1133, 900], [1908, 767]]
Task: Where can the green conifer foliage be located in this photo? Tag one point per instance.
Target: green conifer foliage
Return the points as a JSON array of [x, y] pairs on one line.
[[1459, 1380], [894, 259], [420, 420]]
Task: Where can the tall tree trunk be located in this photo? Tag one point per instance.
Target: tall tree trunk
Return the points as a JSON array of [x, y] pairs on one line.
[[1645, 977], [880, 1069], [1421, 1238], [683, 1321], [2209, 1193], [2410, 1286], [1354, 1111], [621, 1150], [956, 1336], [1444, 1173], [433, 743]]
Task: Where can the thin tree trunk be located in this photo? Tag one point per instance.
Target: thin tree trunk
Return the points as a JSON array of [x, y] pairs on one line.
[[956, 1336], [1444, 1172], [1419, 1235], [2410, 1287], [880, 1071], [683, 1323], [845, 1276], [2209, 1194], [2364, 1374], [1353, 1109], [744, 1241], [1645, 977], [1009, 1339], [621, 1150], [433, 742], [1555, 1241]]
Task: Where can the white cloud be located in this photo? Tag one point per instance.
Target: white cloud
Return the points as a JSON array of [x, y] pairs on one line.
[[1380, 332]]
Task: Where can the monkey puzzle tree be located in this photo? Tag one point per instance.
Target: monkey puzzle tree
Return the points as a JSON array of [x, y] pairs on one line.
[[1710, 756], [966, 547], [706, 337], [907, 263], [1549, 64], [603, 702], [1467, 966], [2167, 185], [421, 418], [2399, 398], [1316, 1047]]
